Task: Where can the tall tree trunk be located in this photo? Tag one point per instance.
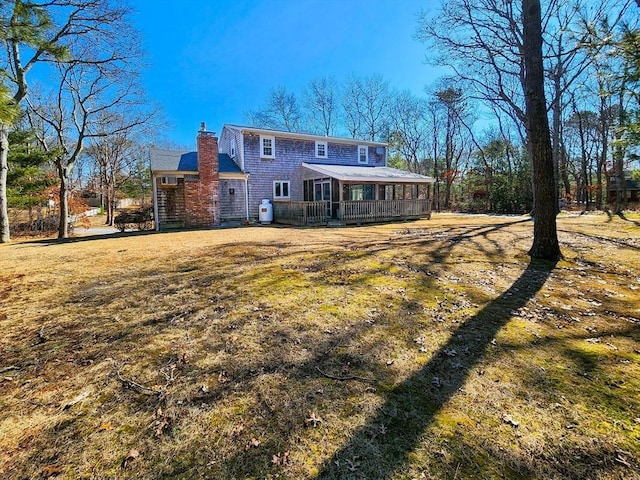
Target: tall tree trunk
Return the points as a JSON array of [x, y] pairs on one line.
[[63, 176], [618, 155], [545, 235], [602, 161], [556, 119], [5, 236]]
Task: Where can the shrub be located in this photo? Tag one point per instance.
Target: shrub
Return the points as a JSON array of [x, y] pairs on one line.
[[140, 219]]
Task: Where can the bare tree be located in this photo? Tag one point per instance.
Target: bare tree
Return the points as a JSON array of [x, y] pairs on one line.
[[321, 105], [366, 102], [482, 42], [30, 37], [87, 45], [410, 130], [282, 112], [567, 59], [86, 105], [455, 109], [545, 237], [111, 156]]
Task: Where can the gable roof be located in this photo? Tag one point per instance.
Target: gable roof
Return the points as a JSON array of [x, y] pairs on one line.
[[163, 160], [173, 160], [368, 174], [302, 136]]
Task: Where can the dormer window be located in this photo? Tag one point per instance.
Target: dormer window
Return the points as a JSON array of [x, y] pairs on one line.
[[321, 149], [363, 154], [267, 147]]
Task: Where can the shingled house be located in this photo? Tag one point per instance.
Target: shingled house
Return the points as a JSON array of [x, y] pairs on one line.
[[309, 179]]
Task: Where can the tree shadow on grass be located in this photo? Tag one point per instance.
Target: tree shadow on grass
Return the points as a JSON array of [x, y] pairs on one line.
[[410, 408], [623, 217]]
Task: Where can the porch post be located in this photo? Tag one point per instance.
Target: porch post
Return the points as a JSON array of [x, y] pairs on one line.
[[155, 202], [341, 197], [246, 195]]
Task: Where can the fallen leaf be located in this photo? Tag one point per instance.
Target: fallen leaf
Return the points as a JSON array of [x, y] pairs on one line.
[[52, 470], [509, 419], [254, 442], [76, 400], [132, 455], [105, 426], [313, 420], [280, 459]]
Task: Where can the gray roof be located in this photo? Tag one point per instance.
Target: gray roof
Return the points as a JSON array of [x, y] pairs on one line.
[[227, 165], [303, 136], [173, 160], [368, 174], [180, 161]]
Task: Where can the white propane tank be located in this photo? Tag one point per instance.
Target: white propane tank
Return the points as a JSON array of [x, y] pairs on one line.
[[265, 214]]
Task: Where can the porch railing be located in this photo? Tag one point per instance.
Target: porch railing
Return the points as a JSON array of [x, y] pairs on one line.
[[356, 211], [381, 210], [300, 213]]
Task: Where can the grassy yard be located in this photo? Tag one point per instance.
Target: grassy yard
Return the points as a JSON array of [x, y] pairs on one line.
[[420, 350]]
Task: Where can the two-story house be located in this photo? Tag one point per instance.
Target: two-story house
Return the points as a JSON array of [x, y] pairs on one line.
[[307, 178]]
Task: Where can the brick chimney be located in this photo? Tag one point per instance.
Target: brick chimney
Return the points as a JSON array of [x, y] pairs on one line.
[[202, 194]]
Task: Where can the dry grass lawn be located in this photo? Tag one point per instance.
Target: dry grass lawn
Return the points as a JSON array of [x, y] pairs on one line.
[[420, 350]]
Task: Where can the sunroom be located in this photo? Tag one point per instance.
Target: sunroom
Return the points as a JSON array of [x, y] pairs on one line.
[[356, 194]]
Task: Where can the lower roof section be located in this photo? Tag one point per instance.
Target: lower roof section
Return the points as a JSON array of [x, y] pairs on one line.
[[386, 175]]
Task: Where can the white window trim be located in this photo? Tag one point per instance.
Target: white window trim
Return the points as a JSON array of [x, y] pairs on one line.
[[273, 146], [233, 148], [326, 147], [282, 182], [168, 180], [366, 149]]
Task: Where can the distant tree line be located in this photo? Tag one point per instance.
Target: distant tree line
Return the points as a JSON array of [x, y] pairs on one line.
[[469, 129]]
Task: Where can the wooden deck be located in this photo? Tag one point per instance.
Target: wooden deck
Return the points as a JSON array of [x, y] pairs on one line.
[[350, 212], [300, 213]]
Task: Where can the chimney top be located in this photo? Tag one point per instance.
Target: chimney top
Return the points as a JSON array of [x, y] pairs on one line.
[[203, 130]]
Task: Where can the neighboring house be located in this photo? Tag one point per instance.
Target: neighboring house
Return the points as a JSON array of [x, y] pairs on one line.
[[631, 189], [310, 179]]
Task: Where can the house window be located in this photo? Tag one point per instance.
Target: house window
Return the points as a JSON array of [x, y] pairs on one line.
[[233, 148], [363, 154], [281, 190], [169, 180], [321, 149], [267, 147]]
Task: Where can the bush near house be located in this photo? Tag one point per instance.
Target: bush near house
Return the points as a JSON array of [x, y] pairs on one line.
[[139, 219]]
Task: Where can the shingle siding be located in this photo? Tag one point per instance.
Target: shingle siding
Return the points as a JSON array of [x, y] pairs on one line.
[[287, 165], [232, 206], [226, 140]]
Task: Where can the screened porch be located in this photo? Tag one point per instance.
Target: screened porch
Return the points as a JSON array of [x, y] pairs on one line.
[[352, 195]]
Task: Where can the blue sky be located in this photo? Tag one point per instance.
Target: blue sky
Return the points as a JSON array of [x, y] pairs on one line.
[[214, 60]]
